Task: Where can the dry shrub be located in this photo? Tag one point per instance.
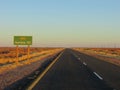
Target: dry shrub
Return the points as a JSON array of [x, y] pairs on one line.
[[8, 54], [111, 55]]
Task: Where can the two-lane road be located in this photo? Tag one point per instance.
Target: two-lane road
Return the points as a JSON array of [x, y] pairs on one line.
[[69, 73], [109, 72]]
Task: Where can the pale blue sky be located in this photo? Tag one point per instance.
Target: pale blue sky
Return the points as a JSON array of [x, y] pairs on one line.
[[61, 22]]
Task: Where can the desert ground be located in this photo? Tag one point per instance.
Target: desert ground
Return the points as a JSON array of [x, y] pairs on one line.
[[10, 71], [111, 55]]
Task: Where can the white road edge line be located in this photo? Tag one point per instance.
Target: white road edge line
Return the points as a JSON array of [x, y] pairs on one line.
[[84, 63], [98, 76]]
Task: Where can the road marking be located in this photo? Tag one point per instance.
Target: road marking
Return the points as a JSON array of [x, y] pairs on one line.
[[98, 76], [84, 63], [42, 75]]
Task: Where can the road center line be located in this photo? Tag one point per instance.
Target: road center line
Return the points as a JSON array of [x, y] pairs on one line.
[[84, 63], [98, 76]]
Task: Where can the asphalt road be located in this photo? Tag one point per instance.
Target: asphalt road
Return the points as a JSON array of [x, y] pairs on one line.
[[109, 72], [71, 73]]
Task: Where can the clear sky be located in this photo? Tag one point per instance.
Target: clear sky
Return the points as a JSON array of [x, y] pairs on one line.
[[61, 22]]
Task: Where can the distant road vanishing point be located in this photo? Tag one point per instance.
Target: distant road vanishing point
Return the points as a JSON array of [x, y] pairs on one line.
[[76, 71]]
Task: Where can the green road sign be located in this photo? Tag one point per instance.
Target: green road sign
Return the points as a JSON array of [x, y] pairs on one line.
[[22, 40]]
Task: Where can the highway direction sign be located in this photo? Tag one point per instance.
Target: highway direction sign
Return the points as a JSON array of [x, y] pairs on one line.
[[22, 40]]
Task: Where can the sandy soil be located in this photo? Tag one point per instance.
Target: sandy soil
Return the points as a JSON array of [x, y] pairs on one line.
[[13, 72], [111, 55]]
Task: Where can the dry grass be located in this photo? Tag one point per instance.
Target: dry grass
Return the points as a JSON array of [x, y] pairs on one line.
[[8, 55], [35, 55], [10, 73], [111, 55]]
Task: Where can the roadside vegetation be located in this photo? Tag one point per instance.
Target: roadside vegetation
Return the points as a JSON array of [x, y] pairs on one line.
[[8, 54], [111, 55], [11, 72]]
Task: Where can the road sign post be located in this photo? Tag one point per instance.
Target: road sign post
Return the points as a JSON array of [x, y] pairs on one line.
[[28, 54], [17, 53], [22, 40]]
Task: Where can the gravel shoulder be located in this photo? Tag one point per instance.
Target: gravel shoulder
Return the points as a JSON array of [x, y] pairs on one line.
[[17, 72]]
